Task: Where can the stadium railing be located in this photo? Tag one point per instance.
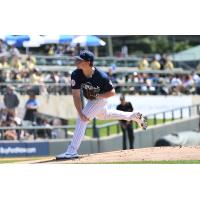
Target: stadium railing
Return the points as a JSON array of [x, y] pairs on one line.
[[130, 61], [188, 62], [45, 88], [99, 61], [120, 72], [65, 88], [154, 119], [173, 114], [119, 69]]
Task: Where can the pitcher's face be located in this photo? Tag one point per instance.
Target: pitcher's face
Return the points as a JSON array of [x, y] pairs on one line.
[[81, 64]]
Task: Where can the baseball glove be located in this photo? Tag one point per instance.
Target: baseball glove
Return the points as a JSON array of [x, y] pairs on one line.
[[90, 92]]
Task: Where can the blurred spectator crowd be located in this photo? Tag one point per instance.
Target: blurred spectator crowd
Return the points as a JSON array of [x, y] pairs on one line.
[[19, 75], [153, 83], [22, 72], [61, 50], [157, 63], [10, 119], [157, 84]]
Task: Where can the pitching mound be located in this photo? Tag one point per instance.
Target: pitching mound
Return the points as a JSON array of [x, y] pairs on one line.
[[145, 154]]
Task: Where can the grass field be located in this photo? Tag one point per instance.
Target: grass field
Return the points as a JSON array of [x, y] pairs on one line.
[[16, 160], [113, 129]]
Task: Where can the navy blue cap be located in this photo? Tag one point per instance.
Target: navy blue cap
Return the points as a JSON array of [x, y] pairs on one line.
[[85, 55]]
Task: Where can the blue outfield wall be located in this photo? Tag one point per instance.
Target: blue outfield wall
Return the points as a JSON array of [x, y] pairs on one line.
[[24, 149]]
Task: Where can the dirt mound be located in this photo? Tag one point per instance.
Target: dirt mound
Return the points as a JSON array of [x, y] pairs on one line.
[[145, 154]]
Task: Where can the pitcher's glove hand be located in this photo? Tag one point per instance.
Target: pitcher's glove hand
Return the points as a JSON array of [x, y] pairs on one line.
[[91, 93]]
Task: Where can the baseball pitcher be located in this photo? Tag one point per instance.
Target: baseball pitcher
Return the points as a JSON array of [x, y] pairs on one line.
[[96, 87]]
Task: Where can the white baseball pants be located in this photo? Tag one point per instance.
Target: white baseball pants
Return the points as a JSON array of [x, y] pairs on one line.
[[94, 108]]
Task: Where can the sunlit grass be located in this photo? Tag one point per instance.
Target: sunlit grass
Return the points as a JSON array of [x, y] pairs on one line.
[[113, 129], [22, 159]]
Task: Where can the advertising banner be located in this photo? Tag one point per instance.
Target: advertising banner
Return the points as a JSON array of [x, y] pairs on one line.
[[23, 149]]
